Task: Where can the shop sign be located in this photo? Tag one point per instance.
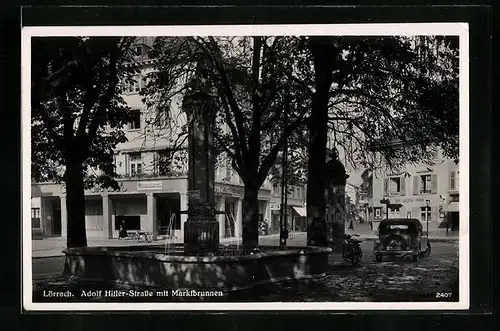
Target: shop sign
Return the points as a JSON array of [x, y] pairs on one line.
[[275, 206], [228, 190], [149, 185]]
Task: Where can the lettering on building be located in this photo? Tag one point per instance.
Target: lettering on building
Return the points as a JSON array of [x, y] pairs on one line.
[[156, 185], [227, 190], [98, 189], [275, 206]]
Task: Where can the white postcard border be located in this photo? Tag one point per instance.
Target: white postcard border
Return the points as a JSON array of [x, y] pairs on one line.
[[407, 29]]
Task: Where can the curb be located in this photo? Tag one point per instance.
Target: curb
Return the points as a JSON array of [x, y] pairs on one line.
[[46, 257]]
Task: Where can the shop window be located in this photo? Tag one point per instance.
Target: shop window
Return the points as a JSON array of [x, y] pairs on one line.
[[131, 223], [425, 214]]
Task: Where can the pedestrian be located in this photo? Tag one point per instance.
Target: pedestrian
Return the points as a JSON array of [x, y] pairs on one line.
[[351, 225], [123, 231], [371, 225]]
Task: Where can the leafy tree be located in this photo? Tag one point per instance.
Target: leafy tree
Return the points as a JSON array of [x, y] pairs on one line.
[[77, 116], [386, 100], [248, 77]]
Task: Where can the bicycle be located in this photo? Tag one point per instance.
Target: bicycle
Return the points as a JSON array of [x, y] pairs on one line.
[[142, 235]]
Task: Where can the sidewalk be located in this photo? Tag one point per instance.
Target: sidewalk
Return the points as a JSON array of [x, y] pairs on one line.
[[52, 247], [364, 232]]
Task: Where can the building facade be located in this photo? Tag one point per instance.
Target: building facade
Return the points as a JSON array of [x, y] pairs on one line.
[[153, 192], [426, 192], [295, 209]]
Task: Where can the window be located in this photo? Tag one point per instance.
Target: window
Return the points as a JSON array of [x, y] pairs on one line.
[[454, 180], [135, 123], [425, 184], [229, 170], [275, 190], [394, 186], [35, 218], [138, 51], [128, 87], [424, 216], [135, 163], [163, 162]]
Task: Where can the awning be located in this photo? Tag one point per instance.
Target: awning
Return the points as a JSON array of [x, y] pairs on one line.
[[452, 207], [301, 211]]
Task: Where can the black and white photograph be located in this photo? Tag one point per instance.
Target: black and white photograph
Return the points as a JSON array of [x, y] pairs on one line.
[[245, 167]]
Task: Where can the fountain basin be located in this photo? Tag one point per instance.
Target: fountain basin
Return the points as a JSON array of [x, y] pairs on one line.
[[149, 267]]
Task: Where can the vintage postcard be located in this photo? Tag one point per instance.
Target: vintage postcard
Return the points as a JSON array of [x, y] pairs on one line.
[[245, 167]]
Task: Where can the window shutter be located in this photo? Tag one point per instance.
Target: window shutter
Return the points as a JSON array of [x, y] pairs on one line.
[[127, 163], [415, 185], [402, 187], [386, 186], [433, 183], [156, 168], [452, 180]]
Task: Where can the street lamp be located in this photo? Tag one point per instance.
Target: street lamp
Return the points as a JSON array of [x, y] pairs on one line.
[[427, 203]]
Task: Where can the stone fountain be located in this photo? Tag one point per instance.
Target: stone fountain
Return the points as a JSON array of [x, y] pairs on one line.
[[200, 264]]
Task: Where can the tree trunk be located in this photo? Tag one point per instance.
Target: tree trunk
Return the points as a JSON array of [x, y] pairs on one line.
[[75, 203], [318, 130], [250, 218]]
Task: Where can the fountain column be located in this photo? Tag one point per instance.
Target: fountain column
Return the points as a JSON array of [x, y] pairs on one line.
[[201, 230]]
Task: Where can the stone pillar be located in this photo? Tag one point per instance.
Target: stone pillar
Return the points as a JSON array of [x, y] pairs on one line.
[[221, 207], [267, 215], [64, 217], [339, 214], [238, 218], [201, 231], [183, 206], [151, 215], [107, 219]]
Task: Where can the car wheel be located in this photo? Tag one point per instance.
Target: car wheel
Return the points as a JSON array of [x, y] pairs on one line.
[[428, 250], [416, 257], [378, 258]]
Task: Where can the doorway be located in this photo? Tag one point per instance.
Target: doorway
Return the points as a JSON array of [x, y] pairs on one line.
[[56, 218]]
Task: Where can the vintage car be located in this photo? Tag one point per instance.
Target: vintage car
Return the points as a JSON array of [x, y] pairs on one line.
[[401, 237]]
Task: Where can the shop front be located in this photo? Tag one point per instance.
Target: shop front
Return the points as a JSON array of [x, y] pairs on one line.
[[154, 206]]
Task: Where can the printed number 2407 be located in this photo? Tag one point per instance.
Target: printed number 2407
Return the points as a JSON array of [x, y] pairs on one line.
[[443, 295]]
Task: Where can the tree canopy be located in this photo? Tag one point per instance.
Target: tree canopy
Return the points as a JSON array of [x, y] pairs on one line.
[[77, 116], [76, 105]]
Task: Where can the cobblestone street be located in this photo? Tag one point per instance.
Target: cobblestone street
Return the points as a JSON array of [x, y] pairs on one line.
[[391, 280]]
